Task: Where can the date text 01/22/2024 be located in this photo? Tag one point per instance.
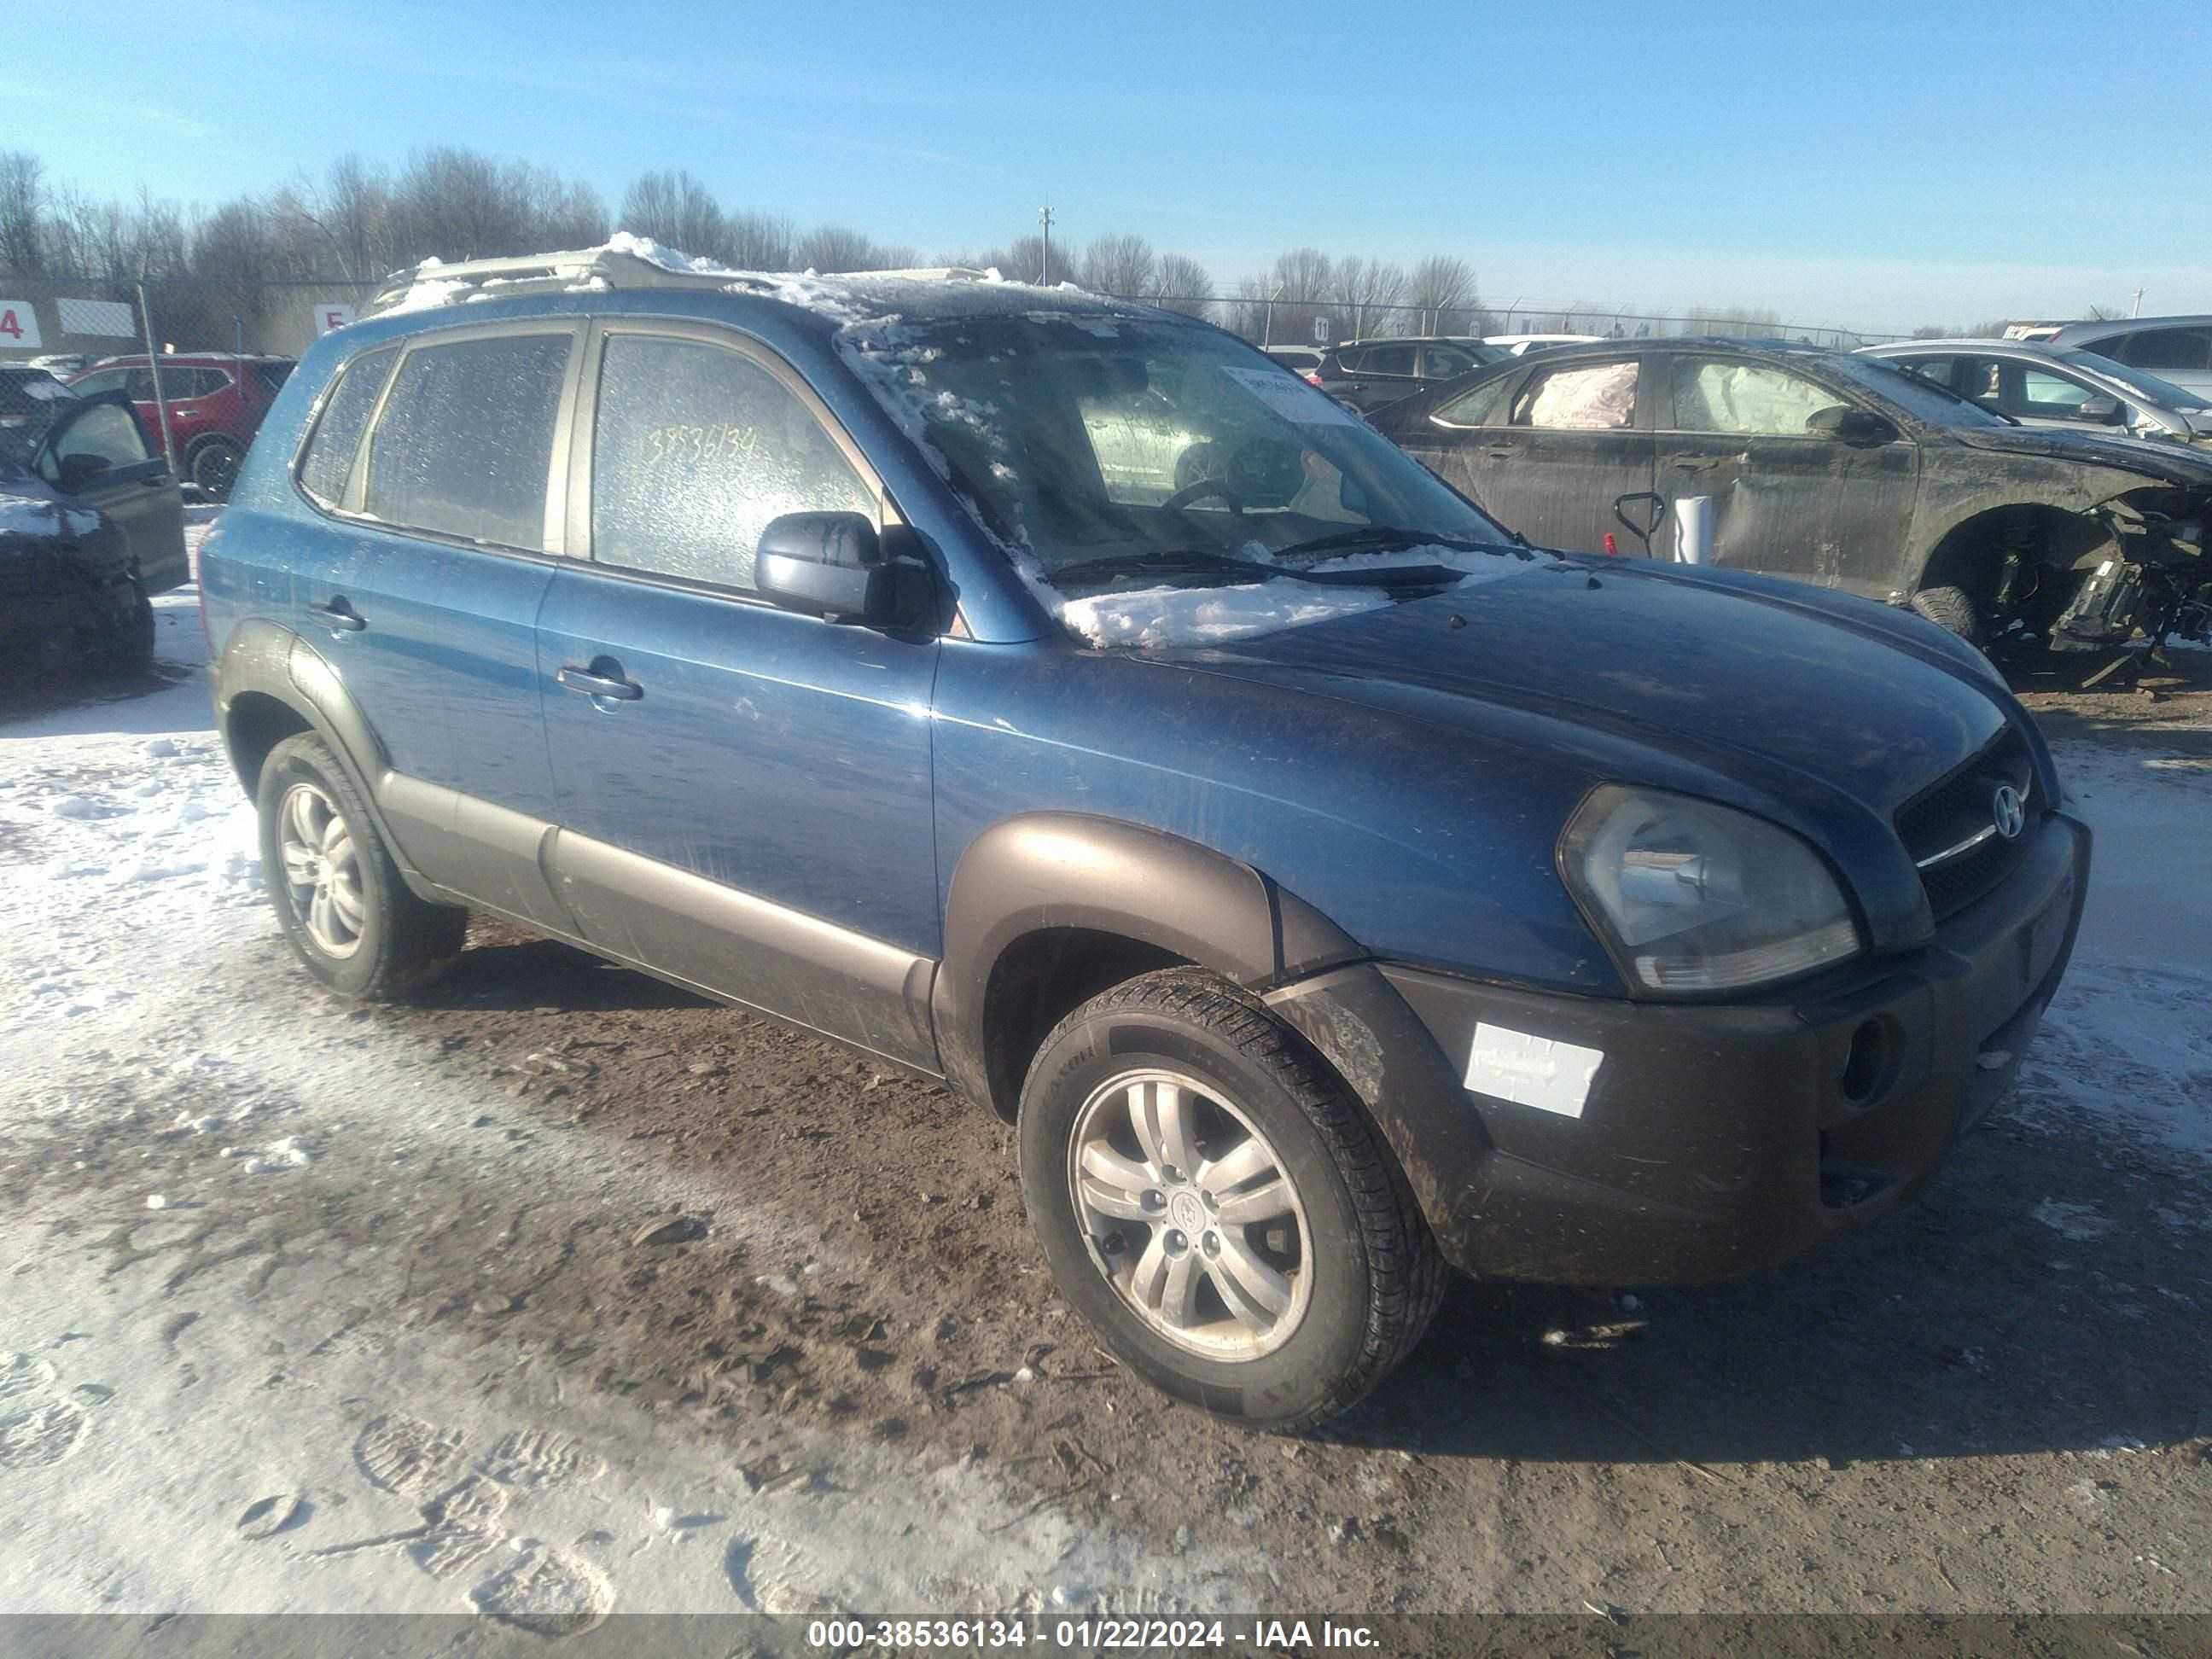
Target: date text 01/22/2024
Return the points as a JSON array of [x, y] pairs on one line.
[[1088, 1635]]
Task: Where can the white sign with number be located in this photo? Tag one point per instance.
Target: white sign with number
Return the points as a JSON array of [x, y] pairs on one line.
[[18, 325], [331, 316]]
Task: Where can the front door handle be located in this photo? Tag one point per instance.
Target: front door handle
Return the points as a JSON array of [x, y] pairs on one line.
[[1705, 465], [339, 614], [600, 685], [1499, 451]]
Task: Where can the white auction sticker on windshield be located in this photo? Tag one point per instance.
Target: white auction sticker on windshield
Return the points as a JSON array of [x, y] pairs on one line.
[[1544, 1072], [1291, 397]]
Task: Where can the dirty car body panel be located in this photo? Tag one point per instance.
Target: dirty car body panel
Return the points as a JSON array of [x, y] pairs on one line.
[[870, 829]]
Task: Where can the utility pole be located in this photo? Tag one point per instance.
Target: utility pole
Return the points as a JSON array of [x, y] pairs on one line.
[[1045, 264], [2135, 310]]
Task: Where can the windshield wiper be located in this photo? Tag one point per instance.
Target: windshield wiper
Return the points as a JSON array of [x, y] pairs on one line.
[[1384, 538], [1197, 562]]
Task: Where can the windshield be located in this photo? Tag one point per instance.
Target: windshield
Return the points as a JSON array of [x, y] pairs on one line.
[[1094, 445], [2162, 393], [1923, 399]]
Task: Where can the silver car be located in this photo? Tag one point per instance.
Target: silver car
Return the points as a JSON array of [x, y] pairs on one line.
[[2176, 349], [2045, 385]]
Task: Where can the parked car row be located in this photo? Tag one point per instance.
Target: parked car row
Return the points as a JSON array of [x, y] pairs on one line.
[[1408, 900]]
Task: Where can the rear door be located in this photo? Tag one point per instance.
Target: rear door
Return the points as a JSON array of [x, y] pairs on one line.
[[743, 792], [1559, 452], [1782, 499], [427, 606], [98, 446]]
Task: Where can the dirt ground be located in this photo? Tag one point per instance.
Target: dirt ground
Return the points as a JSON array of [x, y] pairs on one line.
[[778, 1264]]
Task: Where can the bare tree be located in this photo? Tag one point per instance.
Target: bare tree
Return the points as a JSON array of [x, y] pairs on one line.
[[1441, 289], [1183, 285], [674, 210], [1023, 260], [761, 241], [1367, 294], [1124, 265], [22, 208]]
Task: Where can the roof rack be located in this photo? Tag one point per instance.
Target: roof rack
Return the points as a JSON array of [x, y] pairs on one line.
[[618, 268]]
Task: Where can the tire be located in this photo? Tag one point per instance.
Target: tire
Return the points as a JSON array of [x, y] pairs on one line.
[[214, 467], [128, 653], [1356, 1276], [372, 939], [1953, 609]]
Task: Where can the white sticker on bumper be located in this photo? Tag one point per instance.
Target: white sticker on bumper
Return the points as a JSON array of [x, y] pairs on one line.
[[1532, 1071]]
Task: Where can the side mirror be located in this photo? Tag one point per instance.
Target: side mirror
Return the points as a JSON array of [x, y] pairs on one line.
[[77, 472], [2100, 409], [832, 565], [1862, 429]]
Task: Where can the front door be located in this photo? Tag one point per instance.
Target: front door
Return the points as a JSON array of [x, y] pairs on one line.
[[743, 792], [1782, 498], [99, 447]]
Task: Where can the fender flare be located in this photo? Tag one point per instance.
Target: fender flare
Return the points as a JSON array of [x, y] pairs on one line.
[[269, 660], [1041, 871]]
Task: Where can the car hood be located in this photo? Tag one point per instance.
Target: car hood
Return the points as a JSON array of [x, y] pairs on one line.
[[1744, 678], [2168, 463], [32, 517]]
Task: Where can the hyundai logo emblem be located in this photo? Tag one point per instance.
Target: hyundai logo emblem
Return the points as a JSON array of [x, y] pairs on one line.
[[2007, 811]]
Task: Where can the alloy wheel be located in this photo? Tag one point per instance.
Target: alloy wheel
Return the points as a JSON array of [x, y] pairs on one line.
[[322, 869]]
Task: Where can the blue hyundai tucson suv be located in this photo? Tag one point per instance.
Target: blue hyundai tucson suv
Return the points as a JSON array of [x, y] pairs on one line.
[[1059, 699]]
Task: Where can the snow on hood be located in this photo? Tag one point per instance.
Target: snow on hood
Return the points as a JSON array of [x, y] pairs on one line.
[[1157, 618], [28, 515]]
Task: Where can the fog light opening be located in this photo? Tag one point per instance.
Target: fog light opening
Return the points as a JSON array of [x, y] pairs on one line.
[[1865, 1063]]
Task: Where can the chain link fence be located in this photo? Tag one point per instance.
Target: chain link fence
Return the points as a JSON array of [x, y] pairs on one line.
[[82, 321]]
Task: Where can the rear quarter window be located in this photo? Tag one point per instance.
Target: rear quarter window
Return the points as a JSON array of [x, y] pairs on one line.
[[464, 444], [328, 462]]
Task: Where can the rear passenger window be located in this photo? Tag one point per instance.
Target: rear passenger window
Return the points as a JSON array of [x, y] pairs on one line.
[[1596, 397], [328, 462], [696, 449], [465, 442], [2187, 349]]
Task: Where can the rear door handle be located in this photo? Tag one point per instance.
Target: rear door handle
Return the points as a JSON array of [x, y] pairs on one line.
[[1499, 451], [339, 614], [600, 686], [1706, 465]]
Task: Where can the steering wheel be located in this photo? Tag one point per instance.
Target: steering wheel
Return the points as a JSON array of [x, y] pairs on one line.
[[1200, 490]]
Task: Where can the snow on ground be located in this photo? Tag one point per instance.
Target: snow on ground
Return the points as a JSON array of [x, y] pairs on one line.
[[200, 1409]]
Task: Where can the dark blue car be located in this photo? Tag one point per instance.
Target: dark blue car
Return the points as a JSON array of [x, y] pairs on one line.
[[1057, 698]]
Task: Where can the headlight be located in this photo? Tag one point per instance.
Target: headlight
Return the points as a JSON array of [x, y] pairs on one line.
[[1698, 898]]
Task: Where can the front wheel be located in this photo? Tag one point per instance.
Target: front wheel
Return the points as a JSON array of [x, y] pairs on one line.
[[349, 917], [1217, 1205], [1953, 609]]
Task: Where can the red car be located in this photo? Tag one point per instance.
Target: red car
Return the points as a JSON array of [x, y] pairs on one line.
[[216, 401]]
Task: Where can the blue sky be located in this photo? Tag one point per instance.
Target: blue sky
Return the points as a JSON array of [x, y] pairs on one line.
[[1878, 165]]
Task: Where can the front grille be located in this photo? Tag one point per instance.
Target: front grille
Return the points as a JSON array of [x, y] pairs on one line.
[[1943, 827]]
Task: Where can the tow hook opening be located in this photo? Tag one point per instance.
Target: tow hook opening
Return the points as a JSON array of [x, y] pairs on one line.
[[1867, 1063]]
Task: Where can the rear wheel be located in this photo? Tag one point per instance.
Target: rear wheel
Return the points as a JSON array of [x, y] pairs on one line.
[[214, 467], [349, 916], [1216, 1204], [129, 652]]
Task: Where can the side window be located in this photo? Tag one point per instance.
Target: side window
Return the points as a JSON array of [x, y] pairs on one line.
[[1388, 360], [108, 379], [328, 462], [1582, 396], [1937, 370], [1714, 394], [466, 441], [142, 385], [1447, 363], [2166, 348], [1484, 406], [696, 448], [273, 376], [109, 432], [2048, 395]]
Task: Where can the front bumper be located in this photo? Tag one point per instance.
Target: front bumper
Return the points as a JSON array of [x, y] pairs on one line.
[[1714, 1140]]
